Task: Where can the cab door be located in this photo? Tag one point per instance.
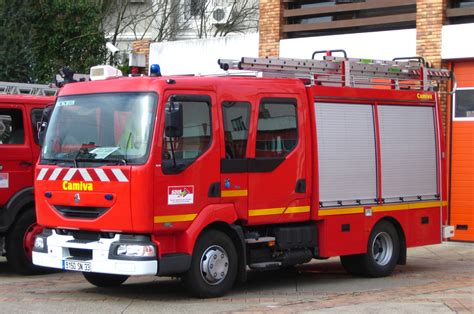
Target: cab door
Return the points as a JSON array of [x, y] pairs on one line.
[[16, 160], [187, 176], [277, 168], [234, 157]]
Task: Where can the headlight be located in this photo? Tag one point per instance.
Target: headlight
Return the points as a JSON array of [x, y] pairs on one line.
[[39, 243], [136, 250]]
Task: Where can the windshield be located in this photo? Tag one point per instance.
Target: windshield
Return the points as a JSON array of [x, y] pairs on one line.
[[111, 127]]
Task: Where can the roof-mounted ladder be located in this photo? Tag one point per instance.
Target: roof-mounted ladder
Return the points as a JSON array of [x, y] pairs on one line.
[[10, 88], [401, 73]]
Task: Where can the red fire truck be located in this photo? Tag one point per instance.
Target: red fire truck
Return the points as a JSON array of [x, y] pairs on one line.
[[202, 177], [21, 109]]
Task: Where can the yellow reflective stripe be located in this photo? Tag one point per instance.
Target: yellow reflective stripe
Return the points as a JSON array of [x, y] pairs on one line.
[[279, 211], [174, 218], [388, 208], [341, 211], [380, 208], [297, 209], [232, 193], [266, 211]]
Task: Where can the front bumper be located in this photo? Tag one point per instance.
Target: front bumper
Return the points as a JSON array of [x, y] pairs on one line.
[[98, 254]]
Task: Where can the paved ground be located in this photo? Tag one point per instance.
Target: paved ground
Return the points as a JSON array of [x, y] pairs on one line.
[[437, 279]]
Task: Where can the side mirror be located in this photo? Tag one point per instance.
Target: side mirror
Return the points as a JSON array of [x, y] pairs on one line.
[[174, 119], [43, 125]]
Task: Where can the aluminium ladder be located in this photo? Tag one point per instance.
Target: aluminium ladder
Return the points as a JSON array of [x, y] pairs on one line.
[[10, 88], [412, 73]]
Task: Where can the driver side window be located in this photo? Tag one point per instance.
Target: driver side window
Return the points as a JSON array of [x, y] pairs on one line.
[[196, 137]]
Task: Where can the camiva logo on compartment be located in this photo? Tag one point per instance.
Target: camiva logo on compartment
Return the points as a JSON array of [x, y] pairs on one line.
[[424, 96], [78, 186]]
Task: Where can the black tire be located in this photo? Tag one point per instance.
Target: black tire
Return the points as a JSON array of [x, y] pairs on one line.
[[105, 280], [381, 257], [212, 245], [19, 243]]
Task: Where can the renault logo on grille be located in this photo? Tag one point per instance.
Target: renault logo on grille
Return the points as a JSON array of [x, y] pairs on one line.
[[77, 198]]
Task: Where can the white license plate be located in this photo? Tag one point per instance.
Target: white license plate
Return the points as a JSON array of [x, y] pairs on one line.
[[77, 265]]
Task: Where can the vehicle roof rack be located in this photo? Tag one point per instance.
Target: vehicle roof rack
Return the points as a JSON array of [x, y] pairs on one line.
[[11, 88], [400, 73]]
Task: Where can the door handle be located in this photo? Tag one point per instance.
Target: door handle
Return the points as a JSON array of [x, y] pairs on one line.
[[214, 190], [26, 163], [1, 167], [301, 186]]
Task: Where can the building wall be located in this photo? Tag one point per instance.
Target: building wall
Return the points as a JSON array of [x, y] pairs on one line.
[[377, 45], [199, 56]]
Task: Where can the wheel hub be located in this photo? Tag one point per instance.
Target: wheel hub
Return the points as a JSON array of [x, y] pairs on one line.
[[29, 238], [382, 248], [214, 265]]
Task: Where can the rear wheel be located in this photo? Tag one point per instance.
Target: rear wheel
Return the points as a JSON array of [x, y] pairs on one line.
[[213, 267], [381, 258], [105, 280], [382, 250], [20, 241]]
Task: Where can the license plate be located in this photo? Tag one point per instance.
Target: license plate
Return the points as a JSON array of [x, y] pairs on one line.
[[77, 266]]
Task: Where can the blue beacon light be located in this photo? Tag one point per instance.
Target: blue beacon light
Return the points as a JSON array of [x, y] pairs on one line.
[[155, 70]]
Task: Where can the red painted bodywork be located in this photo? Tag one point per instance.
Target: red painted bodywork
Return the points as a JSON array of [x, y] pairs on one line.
[[18, 159], [138, 202]]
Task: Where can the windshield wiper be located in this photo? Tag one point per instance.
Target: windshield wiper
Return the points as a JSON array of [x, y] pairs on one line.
[[56, 160], [111, 160]]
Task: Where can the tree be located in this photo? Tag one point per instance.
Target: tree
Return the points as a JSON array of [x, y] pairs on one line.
[[156, 19], [15, 53], [42, 36], [162, 20]]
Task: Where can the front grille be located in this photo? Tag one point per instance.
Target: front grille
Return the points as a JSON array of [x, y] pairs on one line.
[[85, 212], [80, 254]]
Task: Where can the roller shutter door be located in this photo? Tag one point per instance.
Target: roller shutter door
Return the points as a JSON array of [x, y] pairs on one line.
[[461, 198], [346, 153], [408, 153]]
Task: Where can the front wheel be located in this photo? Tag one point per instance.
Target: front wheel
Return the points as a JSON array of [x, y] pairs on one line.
[[105, 280], [213, 266], [20, 241]]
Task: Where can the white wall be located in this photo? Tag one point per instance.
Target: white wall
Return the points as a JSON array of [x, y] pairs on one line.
[[199, 56], [458, 41], [384, 45]]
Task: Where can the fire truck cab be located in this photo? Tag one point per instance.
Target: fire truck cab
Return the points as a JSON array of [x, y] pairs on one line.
[[20, 115], [202, 177]]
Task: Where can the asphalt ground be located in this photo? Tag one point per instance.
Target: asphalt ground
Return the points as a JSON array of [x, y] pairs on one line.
[[438, 279]]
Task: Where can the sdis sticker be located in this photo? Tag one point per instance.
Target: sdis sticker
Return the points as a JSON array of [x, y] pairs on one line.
[[180, 195], [4, 180]]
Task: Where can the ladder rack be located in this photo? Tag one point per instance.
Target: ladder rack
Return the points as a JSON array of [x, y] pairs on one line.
[[10, 88], [340, 71]]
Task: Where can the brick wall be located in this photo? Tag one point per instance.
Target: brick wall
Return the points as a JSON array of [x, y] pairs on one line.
[[430, 16], [270, 27]]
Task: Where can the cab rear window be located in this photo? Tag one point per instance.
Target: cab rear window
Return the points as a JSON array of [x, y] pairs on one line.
[[11, 127]]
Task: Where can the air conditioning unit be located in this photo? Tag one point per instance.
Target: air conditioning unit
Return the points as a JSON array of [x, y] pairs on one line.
[[220, 15]]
